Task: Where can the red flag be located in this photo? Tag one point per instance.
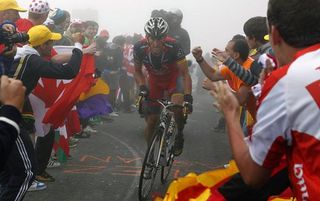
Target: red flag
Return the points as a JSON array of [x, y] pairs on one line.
[[59, 111]]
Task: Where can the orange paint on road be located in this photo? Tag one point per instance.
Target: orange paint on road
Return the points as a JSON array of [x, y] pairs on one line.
[[176, 174], [87, 157], [127, 174], [128, 160], [92, 170]]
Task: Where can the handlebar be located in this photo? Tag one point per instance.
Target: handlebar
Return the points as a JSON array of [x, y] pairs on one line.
[[164, 103]]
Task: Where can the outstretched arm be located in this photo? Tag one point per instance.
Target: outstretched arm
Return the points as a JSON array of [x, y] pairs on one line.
[[246, 76], [210, 73]]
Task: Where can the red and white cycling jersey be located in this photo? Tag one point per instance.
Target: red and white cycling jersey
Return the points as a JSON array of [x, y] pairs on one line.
[[288, 122]]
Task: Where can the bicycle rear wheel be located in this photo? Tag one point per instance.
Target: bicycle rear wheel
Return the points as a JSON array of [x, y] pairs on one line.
[[149, 168]]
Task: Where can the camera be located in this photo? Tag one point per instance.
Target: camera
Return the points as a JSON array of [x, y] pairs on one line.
[[9, 39]]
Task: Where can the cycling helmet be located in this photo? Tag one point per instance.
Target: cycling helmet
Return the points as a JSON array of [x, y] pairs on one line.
[[156, 28]]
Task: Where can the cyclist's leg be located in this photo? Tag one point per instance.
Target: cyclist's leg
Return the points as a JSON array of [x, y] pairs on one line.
[[152, 110], [151, 121], [176, 90], [177, 98]]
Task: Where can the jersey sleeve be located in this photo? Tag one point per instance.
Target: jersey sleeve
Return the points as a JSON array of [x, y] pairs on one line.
[[268, 141], [178, 52], [138, 53]]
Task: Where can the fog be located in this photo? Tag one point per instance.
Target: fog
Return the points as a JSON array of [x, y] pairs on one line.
[[210, 23]]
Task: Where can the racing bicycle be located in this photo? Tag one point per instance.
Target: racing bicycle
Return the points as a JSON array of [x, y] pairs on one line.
[[160, 153]]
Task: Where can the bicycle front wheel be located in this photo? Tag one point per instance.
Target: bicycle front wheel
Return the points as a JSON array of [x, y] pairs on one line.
[[149, 168], [165, 170]]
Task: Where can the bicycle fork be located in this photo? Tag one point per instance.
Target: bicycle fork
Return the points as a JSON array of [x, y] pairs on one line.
[[160, 156]]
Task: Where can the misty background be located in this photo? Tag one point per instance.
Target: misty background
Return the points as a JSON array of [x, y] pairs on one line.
[[210, 23]]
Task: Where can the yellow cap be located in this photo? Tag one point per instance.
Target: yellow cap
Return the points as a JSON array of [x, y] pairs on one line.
[[267, 37], [10, 5], [40, 34]]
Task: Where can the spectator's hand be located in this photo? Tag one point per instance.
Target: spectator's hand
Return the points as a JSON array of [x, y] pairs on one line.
[[266, 71], [197, 53], [10, 53], [98, 53], [207, 84], [221, 56], [77, 37], [91, 49], [12, 92], [9, 28], [226, 101]]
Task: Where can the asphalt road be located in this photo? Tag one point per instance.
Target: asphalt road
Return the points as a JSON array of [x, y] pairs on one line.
[[106, 167]]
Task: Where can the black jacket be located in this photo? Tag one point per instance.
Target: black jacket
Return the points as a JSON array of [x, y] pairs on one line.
[[182, 37], [111, 58], [34, 67], [9, 116]]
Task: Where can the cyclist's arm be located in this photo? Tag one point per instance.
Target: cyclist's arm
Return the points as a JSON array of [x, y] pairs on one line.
[[138, 74], [184, 71], [211, 73], [137, 58]]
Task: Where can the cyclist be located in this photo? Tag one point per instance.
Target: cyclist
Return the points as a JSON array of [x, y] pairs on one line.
[[168, 73]]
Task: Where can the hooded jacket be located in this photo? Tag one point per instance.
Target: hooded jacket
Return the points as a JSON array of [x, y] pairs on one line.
[[34, 67]]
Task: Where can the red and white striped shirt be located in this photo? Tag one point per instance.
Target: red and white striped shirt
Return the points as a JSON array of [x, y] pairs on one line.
[[288, 123]]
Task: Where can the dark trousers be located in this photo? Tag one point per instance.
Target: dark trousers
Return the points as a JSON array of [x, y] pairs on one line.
[[84, 123], [43, 151], [236, 190], [125, 91], [18, 172]]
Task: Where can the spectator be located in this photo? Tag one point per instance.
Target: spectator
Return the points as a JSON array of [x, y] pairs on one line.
[[125, 82], [255, 29], [37, 15], [112, 64], [29, 67], [175, 17], [104, 34], [9, 11], [67, 22], [91, 30], [12, 98], [76, 28], [61, 18], [288, 117], [238, 50]]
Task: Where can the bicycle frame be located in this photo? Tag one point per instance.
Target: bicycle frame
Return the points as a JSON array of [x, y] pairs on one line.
[[168, 124]]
